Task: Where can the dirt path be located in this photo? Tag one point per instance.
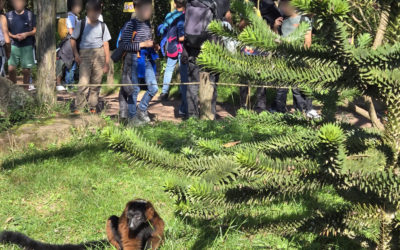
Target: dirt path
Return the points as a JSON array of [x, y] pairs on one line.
[[159, 111], [168, 111]]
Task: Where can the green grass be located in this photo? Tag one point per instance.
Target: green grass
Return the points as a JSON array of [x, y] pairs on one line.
[[65, 194]]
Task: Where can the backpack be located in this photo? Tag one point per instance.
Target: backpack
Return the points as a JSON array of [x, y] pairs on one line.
[[199, 14], [62, 28], [173, 47]]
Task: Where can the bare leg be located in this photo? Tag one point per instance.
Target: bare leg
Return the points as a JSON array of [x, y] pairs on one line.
[[59, 80], [27, 75], [12, 73]]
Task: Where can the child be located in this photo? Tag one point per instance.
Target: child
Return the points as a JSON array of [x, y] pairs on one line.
[[91, 36], [4, 39], [74, 9], [288, 26], [22, 30], [173, 31], [138, 43]]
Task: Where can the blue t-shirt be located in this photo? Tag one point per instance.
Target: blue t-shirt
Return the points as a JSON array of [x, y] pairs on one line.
[[18, 24]]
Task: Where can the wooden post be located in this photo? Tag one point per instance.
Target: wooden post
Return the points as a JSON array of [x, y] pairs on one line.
[[206, 91]]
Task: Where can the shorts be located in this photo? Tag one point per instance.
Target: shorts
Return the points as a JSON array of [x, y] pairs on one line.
[[23, 56]]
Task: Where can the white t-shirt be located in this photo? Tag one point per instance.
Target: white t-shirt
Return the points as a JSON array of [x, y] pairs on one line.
[[72, 20]]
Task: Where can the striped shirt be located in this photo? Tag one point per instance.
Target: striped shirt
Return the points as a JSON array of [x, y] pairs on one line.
[[143, 33]]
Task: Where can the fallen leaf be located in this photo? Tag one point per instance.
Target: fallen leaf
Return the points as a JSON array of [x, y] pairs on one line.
[[9, 219], [231, 144]]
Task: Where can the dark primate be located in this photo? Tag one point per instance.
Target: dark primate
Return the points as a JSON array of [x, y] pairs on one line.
[[139, 227]]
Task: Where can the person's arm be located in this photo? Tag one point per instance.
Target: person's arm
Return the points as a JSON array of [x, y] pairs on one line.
[[106, 67], [308, 39], [4, 26], [7, 39], [75, 50], [71, 31], [130, 46], [277, 24]]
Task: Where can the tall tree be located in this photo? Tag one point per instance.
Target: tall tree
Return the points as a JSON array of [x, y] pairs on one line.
[[46, 29]]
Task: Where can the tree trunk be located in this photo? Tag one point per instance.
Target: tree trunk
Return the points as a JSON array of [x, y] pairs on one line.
[[46, 51], [383, 24], [379, 37]]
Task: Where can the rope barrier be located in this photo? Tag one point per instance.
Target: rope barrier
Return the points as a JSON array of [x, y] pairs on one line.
[[172, 84]]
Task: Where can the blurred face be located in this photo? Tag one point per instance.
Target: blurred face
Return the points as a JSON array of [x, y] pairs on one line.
[[77, 8], [93, 15], [287, 9], [144, 12], [19, 5]]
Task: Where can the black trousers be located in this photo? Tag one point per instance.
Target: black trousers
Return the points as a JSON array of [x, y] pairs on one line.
[[301, 102], [192, 93], [261, 98]]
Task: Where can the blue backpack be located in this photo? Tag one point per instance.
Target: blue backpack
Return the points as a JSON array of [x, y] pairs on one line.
[[173, 46], [170, 45]]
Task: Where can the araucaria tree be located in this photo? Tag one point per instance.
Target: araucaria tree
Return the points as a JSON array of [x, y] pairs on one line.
[[361, 167]]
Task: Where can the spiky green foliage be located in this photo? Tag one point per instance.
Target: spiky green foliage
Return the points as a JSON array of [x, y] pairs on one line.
[[361, 167], [231, 178], [333, 63]]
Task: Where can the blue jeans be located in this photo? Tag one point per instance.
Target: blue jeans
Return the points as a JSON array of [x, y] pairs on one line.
[[169, 71], [70, 74], [152, 88]]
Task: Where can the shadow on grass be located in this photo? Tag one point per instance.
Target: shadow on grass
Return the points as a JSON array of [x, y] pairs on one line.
[[67, 151], [291, 227]]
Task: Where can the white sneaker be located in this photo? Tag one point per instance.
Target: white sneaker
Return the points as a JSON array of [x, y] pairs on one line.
[[313, 114], [61, 88], [31, 87]]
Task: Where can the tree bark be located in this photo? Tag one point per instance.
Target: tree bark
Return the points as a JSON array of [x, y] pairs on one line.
[[379, 37], [206, 91], [46, 51]]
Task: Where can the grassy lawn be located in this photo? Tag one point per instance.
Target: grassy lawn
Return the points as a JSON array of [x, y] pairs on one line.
[[65, 194]]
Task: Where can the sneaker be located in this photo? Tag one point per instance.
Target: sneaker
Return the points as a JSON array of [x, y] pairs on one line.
[[77, 112], [313, 114], [93, 111], [163, 97], [181, 114], [31, 87], [143, 116], [60, 88], [135, 122]]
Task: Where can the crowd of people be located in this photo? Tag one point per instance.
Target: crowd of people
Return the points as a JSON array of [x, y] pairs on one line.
[[182, 33]]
